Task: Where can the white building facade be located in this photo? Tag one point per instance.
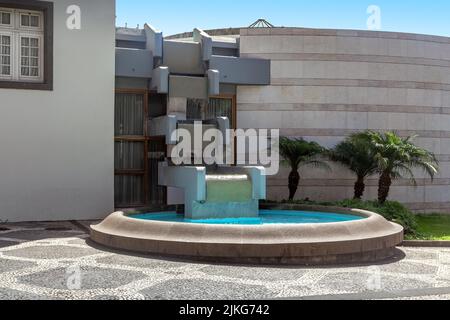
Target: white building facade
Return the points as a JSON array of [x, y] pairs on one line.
[[56, 115]]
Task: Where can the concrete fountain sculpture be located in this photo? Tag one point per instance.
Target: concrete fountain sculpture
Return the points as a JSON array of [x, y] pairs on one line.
[[223, 193], [222, 220], [210, 191]]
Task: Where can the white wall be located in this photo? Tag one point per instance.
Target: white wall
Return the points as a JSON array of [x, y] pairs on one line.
[[56, 147]]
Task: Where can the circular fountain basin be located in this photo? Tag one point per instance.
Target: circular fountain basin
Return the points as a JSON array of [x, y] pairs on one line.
[[265, 217], [295, 235]]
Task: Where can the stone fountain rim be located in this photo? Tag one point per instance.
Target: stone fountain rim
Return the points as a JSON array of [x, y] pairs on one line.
[[367, 240]]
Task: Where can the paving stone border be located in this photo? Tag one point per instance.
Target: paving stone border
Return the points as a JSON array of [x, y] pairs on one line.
[[426, 244], [27, 274]]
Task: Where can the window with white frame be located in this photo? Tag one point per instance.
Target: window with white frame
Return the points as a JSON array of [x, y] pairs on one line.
[[21, 45]]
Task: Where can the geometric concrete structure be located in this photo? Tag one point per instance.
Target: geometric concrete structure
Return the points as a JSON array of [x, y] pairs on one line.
[[366, 240], [230, 182], [214, 191], [182, 77]]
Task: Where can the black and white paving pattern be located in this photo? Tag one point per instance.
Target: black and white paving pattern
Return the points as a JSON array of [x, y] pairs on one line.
[[48, 261]]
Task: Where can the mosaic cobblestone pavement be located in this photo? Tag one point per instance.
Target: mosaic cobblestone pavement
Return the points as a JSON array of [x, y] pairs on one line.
[[57, 261]]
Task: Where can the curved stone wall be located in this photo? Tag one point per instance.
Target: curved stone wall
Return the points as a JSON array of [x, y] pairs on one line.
[[327, 84], [361, 241]]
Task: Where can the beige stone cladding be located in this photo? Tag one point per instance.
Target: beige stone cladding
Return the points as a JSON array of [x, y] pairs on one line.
[[326, 84]]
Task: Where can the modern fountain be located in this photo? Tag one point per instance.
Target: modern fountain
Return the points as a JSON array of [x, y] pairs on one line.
[[222, 220], [212, 191], [223, 193]]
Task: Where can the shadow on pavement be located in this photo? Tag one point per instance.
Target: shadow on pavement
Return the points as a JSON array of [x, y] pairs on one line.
[[399, 255]]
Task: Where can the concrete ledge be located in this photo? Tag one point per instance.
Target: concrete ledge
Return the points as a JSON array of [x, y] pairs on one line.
[[368, 240], [242, 71], [426, 244], [134, 63], [188, 87], [282, 31]]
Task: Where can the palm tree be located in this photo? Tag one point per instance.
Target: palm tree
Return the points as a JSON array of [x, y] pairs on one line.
[[356, 154], [396, 157], [299, 153]]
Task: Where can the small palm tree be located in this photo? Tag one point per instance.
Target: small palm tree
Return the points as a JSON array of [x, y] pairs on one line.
[[299, 153], [356, 154], [396, 157]]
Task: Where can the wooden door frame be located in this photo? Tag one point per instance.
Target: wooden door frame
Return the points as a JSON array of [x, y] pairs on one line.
[[146, 139], [228, 96]]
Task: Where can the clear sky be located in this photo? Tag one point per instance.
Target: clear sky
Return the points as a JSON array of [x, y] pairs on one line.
[[174, 16]]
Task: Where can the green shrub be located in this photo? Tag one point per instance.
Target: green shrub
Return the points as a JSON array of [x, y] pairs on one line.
[[391, 210]]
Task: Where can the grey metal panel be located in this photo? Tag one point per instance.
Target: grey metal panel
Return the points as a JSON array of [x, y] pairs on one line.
[[134, 63], [244, 71], [183, 57], [188, 87]]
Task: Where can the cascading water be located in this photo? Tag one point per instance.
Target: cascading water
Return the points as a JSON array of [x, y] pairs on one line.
[[228, 187], [227, 195]]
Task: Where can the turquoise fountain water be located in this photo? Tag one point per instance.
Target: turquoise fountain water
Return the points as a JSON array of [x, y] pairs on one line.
[[231, 196], [265, 217]]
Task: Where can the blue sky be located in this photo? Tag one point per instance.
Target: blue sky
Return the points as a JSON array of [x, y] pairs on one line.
[[173, 16]]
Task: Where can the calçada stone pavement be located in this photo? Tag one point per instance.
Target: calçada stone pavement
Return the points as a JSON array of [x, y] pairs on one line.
[[57, 261]]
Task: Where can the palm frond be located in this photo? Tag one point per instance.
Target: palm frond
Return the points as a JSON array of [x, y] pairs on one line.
[[398, 155], [297, 152], [356, 154]]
